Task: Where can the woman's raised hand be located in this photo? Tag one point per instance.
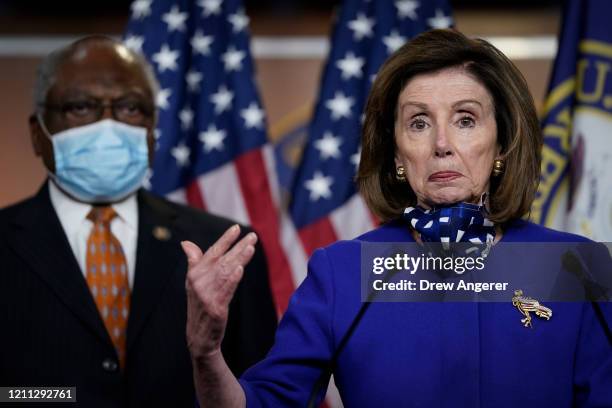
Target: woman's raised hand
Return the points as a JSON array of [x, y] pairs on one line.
[[212, 278]]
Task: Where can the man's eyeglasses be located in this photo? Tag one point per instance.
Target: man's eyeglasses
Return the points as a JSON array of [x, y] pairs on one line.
[[128, 110]]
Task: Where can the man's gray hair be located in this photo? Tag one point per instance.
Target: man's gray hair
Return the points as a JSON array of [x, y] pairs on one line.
[[47, 70]]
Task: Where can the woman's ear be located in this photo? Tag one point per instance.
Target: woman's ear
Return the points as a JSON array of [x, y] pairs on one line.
[[498, 152], [398, 161]]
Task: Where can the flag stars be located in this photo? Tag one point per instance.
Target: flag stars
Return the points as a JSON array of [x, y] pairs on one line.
[[166, 59], [407, 8], [175, 19], [210, 7], [222, 99], [161, 99], [393, 41], [361, 26], [157, 135], [340, 106], [134, 42], [141, 9], [181, 154], [193, 79], [328, 146], [440, 20], [186, 118], [239, 21], [356, 157], [201, 43], [213, 138], [232, 59], [319, 186], [350, 66], [253, 116]]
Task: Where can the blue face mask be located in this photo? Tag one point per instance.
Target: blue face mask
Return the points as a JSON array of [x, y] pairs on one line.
[[460, 222], [455, 223], [102, 162]]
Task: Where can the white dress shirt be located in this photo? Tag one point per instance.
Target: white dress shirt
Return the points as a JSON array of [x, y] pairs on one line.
[[73, 217]]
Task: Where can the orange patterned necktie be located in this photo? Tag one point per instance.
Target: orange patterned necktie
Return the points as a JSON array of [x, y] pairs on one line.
[[107, 277]]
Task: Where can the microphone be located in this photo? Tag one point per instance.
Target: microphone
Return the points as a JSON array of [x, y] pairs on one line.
[[325, 375], [594, 291], [570, 262], [327, 372]]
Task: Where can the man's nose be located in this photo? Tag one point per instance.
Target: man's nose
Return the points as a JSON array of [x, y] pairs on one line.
[[107, 112]]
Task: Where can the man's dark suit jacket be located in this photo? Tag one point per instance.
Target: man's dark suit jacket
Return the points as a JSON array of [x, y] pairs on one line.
[[51, 333]]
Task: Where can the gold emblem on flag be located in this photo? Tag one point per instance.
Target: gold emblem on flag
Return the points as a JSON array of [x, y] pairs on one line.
[[526, 304]]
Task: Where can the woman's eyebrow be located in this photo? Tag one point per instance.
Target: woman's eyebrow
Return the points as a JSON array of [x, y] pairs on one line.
[[419, 105], [467, 102]]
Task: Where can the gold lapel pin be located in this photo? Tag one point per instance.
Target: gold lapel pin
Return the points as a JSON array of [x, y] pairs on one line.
[[161, 233], [525, 304]]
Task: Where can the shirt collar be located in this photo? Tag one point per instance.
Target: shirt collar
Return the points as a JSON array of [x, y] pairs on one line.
[[72, 212], [127, 210]]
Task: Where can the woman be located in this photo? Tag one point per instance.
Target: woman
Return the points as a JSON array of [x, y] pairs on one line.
[[450, 137]]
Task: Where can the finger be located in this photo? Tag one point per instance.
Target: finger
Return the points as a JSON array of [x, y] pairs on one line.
[[194, 255], [215, 284], [192, 251], [232, 254], [212, 255], [241, 254], [227, 290], [215, 296], [223, 243], [242, 258]]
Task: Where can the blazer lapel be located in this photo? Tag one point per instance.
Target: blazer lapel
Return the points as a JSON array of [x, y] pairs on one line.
[[41, 242], [158, 255]]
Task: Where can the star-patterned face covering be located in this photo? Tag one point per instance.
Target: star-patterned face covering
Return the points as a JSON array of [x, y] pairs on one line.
[[460, 222]]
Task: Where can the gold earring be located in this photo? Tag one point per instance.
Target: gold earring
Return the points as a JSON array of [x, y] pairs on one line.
[[498, 167], [400, 174]]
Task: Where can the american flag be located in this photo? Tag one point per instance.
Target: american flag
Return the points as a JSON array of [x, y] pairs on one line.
[[211, 145], [324, 205], [212, 151]]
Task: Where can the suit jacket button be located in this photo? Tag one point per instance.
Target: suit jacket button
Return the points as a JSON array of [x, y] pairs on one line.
[[110, 365]]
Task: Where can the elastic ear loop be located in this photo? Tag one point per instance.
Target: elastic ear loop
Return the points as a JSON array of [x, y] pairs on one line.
[[41, 122]]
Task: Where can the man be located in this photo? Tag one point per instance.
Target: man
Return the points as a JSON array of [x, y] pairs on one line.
[[93, 277]]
